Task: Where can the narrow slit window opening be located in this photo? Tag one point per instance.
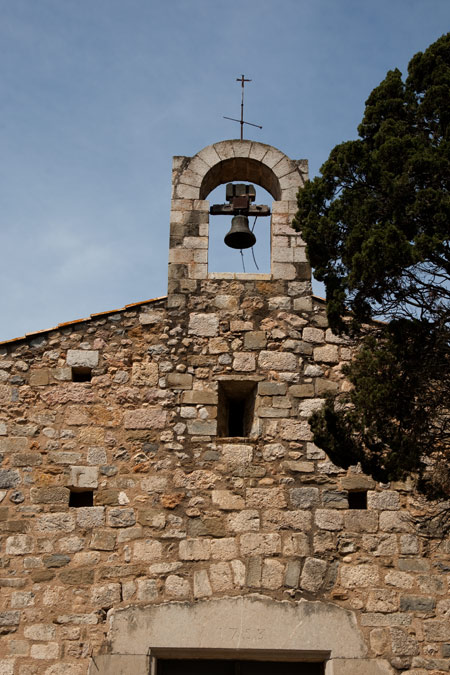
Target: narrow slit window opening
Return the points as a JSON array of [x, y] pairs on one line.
[[81, 374], [236, 407], [357, 499], [81, 498]]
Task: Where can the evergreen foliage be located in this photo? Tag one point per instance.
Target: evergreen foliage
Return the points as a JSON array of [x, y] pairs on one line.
[[377, 228]]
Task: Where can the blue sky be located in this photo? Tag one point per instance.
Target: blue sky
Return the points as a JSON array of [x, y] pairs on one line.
[[97, 95]]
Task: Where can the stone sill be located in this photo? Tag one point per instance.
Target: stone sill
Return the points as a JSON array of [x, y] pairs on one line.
[[240, 276]]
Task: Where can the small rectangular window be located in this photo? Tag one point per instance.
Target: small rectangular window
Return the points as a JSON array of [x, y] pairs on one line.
[[81, 374], [236, 408], [79, 498], [357, 499]]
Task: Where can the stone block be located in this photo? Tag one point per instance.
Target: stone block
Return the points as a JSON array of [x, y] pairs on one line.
[[298, 466], [77, 577], [283, 361], [403, 644], [329, 519], [417, 603], [260, 544], [226, 500], [179, 380], [195, 549], [202, 427], [50, 495], [304, 498], [203, 325], [39, 377], [145, 418], [272, 451], [313, 574], [255, 340], [237, 455], [147, 550], [399, 579], [106, 595], [382, 600], [295, 431], [40, 631], [83, 476], [199, 397], [357, 481], [361, 521], [302, 390], [221, 577], [244, 521], [311, 334], [56, 523], [218, 345], [265, 497], [387, 500], [244, 361], [359, 576], [292, 573], [177, 587], [9, 478], [89, 517], [393, 521], [272, 574], [152, 484], [223, 549], [84, 358], [150, 317], [26, 459], [117, 517], [202, 587], [326, 354], [19, 544], [47, 651], [272, 388]]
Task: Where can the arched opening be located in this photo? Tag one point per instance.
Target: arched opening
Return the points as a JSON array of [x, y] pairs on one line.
[[221, 258], [242, 169]]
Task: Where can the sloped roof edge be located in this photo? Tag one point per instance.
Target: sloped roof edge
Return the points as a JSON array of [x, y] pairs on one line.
[[27, 336]]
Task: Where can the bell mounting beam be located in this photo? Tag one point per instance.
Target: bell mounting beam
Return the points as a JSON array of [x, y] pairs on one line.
[[242, 80]]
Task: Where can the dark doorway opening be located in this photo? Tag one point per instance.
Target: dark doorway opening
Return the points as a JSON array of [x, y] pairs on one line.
[[234, 667]]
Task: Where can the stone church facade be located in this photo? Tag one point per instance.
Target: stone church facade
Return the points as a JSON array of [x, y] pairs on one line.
[[163, 505]]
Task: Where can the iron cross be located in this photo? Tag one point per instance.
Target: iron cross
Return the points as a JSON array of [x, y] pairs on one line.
[[242, 80]]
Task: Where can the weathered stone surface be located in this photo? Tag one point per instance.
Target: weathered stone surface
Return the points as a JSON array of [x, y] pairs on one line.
[[19, 544], [195, 549], [9, 478], [147, 550], [179, 380], [124, 517], [226, 500], [204, 325], [83, 476], [359, 576], [277, 361], [86, 358], [145, 418], [313, 574]]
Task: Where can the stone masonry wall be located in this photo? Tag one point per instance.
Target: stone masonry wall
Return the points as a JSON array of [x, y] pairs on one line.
[[178, 512]]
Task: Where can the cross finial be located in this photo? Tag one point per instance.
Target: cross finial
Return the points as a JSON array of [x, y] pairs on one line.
[[242, 80]]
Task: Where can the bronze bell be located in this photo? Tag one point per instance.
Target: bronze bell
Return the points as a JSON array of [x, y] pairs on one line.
[[240, 235]]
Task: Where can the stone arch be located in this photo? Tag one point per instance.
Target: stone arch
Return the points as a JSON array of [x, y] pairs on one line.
[[251, 625], [268, 167]]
